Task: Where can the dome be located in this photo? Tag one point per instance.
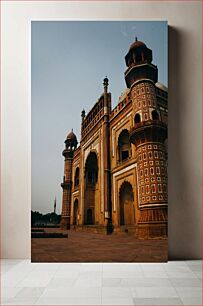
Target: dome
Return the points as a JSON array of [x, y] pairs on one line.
[[161, 86], [137, 44], [124, 94], [71, 136]]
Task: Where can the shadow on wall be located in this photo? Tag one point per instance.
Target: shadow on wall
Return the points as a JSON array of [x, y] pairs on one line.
[[184, 202]]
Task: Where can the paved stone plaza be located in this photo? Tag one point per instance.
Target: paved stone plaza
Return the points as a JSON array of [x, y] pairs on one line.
[[92, 247]]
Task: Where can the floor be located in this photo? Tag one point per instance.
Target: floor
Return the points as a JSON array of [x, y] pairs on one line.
[[80, 247], [172, 283]]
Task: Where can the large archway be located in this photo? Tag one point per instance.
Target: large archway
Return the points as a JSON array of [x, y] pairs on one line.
[[75, 212], [91, 179], [126, 201]]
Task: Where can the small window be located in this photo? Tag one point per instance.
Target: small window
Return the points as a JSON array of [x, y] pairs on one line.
[[125, 155], [137, 118], [77, 174], [124, 147], [155, 115]]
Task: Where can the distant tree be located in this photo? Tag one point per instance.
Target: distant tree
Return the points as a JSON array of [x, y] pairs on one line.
[[38, 219]]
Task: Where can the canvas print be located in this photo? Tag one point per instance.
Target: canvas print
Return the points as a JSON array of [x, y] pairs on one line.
[[99, 141]]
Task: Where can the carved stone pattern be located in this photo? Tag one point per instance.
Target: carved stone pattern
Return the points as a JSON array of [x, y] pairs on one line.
[[143, 97], [152, 173]]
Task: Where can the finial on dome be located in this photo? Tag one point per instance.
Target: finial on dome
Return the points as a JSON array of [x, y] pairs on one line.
[[135, 38], [106, 82]]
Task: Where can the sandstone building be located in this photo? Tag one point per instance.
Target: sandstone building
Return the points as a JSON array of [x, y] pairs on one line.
[[116, 179]]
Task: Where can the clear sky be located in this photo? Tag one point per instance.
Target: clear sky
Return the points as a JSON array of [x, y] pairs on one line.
[[69, 62]]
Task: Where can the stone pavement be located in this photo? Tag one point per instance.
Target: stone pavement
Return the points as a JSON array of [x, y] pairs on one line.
[[92, 247]]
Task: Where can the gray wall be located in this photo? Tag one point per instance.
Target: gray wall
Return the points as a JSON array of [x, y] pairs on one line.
[[185, 62]]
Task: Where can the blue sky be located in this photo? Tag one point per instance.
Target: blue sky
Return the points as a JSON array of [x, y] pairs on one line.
[[69, 60]]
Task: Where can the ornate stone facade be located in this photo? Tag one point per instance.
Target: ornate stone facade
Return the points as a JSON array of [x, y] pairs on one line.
[[116, 180]]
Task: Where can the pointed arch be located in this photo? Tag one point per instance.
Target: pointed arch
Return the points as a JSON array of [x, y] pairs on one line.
[[126, 204], [91, 168], [77, 177], [75, 211], [137, 118], [91, 179], [124, 146], [155, 115]]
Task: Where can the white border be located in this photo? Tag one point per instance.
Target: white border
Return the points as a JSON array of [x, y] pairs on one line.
[[185, 103]]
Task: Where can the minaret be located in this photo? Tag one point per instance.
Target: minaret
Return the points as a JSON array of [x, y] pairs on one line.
[[70, 146], [83, 118], [148, 135], [55, 205], [106, 155], [83, 114]]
